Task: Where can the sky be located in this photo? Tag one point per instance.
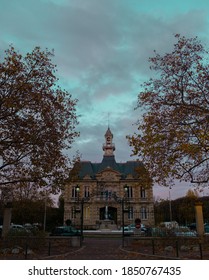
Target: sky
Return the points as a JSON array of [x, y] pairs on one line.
[[101, 51]]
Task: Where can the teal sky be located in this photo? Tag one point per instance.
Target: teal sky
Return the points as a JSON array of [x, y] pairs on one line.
[[101, 50]]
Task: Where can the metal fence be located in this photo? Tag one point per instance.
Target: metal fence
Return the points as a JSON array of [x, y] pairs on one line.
[[33, 247], [167, 247]]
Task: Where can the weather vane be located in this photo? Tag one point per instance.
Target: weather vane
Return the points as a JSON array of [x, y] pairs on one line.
[[108, 119]]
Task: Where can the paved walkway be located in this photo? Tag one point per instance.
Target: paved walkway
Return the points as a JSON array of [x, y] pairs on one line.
[[102, 249]]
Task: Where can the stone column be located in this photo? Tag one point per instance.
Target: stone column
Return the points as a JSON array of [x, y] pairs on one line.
[[199, 218], [7, 219]]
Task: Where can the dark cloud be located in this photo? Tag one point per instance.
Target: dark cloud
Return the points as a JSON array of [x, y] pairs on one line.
[[102, 50]]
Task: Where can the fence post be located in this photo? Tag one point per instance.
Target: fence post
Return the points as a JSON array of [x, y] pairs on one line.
[[26, 250], [177, 249], [200, 246], [49, 248], [153, 246]]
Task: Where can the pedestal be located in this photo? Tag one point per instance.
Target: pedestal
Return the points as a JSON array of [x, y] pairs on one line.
[[199, 218], [108, 225]]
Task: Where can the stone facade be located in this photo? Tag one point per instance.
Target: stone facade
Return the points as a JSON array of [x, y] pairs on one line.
[[108, 192]]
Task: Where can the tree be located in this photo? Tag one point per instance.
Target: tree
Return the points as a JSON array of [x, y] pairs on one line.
[[172, 137], [37, 121], [183, 210], [192, 194]]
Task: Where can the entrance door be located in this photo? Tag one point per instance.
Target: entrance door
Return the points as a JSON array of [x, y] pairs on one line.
[[112, 213]]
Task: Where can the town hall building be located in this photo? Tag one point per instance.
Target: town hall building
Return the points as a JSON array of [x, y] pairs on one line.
[[108, 193]]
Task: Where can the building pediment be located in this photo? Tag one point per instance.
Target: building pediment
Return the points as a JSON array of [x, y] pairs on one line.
[[108, 174], [130, 176], [87, 177]]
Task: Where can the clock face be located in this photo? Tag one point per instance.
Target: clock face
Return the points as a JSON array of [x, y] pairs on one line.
[[108, 140]]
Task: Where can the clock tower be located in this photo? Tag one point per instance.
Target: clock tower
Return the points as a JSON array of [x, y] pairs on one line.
[[103, 186], [109, 146]]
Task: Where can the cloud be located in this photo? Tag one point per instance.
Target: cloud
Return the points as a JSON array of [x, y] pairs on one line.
[[101, 51]]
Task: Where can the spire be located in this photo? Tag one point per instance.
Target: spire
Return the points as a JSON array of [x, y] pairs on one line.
[[109, 146]]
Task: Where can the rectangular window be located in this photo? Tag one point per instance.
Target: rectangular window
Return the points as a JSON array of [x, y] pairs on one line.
[[86, 191], [74, 192], [131, 213], [86, 212], [106, 194], [144, 213], [142, 192], [129, 192], [103, 195], [73, 212]]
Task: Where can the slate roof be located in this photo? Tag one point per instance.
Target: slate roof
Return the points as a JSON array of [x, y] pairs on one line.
[[92, 169]]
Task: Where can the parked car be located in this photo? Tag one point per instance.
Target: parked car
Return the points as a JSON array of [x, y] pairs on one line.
[[159, 231], [169, 225], [32, 228], [65, 231], [18, 229], [183, 231], [192, 226], [131, 228], [206, 228]]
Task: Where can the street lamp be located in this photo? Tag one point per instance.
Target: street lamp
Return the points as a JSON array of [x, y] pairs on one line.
[[45, 211], [170, 209], [122, 201], [77, 189], [82, 201], [126, 189]]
